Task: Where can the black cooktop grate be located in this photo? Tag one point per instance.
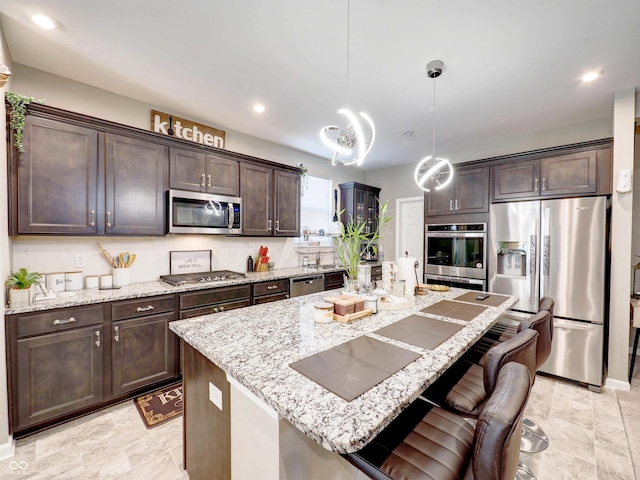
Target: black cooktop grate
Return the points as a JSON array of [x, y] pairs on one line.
[[201, 277]]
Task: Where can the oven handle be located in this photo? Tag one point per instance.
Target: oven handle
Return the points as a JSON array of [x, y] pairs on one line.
[[456, 234]]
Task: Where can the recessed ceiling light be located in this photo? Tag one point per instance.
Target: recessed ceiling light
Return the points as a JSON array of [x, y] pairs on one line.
[[258, 108], [408, 133], [591, 76], [43, 21]]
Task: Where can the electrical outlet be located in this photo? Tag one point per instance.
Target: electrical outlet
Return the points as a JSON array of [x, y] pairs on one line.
[[80, 260]]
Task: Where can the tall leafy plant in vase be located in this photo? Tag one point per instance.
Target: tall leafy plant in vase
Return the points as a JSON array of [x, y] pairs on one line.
[[354, 240]]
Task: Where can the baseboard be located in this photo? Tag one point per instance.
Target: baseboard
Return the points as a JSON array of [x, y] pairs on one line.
[[8, 449], [617, 384]]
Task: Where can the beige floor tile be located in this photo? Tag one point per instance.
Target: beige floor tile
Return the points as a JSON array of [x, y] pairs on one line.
[[563, 466], [571, 439], [613, 466]]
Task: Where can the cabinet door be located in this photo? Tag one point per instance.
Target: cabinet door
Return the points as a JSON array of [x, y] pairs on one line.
[[57, 374], [439, 202], [471, 190], [371, 212], [136, 182], [287, 204], [516, 180], [256, 186], [187, 169], [223, 176], [143, 352], [569, 174], [57, 179]]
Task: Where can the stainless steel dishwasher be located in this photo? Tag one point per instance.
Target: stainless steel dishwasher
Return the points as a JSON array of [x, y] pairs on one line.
[[299, 286]]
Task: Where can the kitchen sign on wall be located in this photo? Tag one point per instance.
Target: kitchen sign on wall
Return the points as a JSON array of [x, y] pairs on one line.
[[186, 129]]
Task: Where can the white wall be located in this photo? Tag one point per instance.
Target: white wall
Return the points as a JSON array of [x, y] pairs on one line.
[[6, 442]]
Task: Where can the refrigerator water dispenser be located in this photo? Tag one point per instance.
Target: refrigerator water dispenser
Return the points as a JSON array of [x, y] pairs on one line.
[[512, 259]]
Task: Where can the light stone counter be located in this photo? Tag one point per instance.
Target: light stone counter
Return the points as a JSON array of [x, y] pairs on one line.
[[158, 287], [255, 345]]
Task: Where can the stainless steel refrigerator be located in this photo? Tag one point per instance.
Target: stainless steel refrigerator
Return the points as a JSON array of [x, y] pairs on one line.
[[557, 249]]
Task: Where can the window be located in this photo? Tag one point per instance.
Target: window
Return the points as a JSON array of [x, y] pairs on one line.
[[316, 213]]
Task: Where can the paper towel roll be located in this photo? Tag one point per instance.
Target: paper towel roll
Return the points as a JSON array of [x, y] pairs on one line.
[[406, 272]]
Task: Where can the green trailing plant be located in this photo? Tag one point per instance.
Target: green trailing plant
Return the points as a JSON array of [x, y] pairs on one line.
[[23, 279], [353, 240], [17, 115]]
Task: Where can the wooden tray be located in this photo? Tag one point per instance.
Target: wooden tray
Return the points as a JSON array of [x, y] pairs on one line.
[[352, 316]]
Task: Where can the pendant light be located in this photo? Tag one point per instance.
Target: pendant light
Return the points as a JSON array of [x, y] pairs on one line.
[[433, 172], [349, 144]]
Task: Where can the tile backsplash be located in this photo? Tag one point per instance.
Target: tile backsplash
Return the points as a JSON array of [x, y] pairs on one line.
[[57, 254]]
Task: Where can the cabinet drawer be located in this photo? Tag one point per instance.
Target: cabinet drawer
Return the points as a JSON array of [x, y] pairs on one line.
[[216, 308], [58, 320], [141, 306], [270, 298], [215, 295], [269, 288]]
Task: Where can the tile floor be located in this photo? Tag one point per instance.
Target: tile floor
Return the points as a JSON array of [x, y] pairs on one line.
[[588, 440]]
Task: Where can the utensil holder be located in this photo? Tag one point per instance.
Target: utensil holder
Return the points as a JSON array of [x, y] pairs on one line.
[[121, 277]]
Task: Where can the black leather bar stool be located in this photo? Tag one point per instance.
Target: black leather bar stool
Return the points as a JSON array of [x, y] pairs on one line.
[[428, 442]]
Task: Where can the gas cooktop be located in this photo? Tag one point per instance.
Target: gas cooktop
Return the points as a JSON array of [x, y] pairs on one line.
[[202, 277]]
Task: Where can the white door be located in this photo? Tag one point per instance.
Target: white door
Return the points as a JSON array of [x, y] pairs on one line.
[[410, 228]]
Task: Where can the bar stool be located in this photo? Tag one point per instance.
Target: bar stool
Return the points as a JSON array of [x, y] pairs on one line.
[[428, 442]]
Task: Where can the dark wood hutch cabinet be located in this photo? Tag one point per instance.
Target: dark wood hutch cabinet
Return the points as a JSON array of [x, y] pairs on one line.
[[360, 203]]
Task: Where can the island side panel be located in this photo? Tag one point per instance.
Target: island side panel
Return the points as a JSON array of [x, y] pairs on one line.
[[207, 428]]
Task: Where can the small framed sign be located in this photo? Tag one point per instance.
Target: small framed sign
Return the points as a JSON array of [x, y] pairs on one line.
[[190, 261]]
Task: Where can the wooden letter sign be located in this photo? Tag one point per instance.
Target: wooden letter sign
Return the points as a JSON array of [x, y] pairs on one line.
[[186, 129]]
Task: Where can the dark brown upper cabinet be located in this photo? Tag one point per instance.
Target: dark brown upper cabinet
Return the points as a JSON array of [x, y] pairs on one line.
[[74, 180], [56, 179], [468, 192], [270, 201], [573, 174], [203, 172]]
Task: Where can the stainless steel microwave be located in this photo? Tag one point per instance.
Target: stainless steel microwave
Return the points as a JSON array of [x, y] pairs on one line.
[[203, 213]]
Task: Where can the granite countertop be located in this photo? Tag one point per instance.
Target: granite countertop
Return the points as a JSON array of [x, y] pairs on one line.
[[255, 346], [158, 287]]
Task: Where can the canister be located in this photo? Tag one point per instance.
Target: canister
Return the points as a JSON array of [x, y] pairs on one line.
[[371, 302], [106, 281], [323, 312], [73, 281], [56, 281], [91, 281]]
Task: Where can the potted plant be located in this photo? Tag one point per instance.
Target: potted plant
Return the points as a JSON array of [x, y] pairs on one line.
[[353, 241], [20, 287]]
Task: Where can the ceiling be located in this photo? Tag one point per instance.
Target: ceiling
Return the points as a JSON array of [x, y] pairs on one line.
[[511, 68]]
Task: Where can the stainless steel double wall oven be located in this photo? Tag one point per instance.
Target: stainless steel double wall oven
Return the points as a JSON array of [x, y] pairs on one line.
[[456, 255]]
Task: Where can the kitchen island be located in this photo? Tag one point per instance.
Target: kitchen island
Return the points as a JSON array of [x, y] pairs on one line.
[[248, 414]]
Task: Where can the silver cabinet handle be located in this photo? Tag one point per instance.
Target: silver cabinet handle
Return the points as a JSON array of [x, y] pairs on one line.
[[92, 221], [202, 183], [117, 335], [222, 308], [268, 224], [97, 334], [209, 180], [535, 185], [451, 205], [108, 218], [215, 310], [544, 184], [277, 225], [457, 206], [62, 322], [272, 287], [148, 308]]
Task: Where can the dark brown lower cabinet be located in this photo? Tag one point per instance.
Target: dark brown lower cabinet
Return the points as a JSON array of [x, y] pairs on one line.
[[58, 373], [142, 352]]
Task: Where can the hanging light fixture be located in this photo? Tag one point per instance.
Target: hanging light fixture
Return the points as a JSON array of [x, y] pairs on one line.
[[349, 144], [433, 172]]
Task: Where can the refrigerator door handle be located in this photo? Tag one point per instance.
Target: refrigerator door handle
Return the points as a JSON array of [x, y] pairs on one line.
[[546, 252], [557, 323], [532, 269]]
